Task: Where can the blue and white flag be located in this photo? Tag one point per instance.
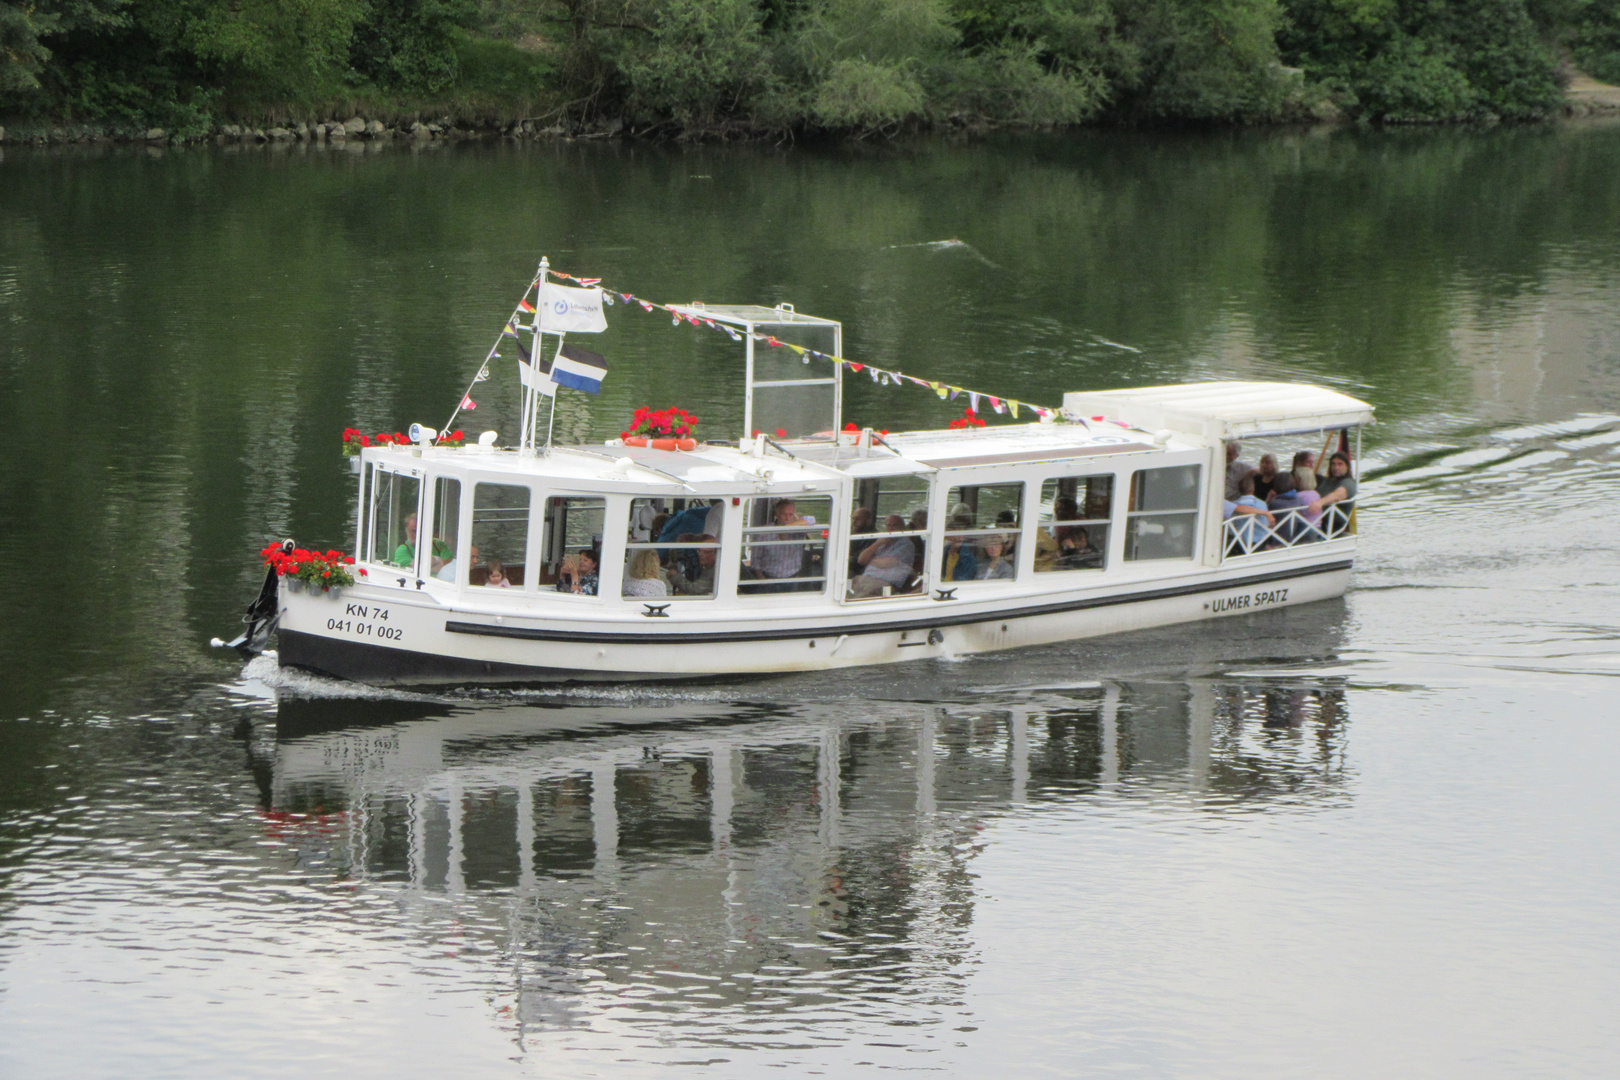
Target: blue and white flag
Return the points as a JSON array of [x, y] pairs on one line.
[[570, 311], [579, 369]]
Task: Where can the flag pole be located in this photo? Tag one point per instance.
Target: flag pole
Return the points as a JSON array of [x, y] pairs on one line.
[[531, 394], [551, 415]]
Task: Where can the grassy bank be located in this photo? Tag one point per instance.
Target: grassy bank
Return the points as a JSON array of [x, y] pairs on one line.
[[780, 68]]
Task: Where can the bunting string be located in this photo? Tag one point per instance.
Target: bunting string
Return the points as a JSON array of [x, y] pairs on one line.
[[882, 376], [507, 331]]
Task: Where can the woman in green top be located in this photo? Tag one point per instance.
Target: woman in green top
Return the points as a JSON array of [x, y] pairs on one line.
[[405, 554]]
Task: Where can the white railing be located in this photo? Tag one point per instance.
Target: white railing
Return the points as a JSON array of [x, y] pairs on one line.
[[1250, 534]]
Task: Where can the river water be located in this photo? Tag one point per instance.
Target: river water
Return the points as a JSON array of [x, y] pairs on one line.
[[1371, 836]]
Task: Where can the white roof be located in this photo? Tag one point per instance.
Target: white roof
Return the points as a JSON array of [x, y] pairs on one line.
[[1224, 410]]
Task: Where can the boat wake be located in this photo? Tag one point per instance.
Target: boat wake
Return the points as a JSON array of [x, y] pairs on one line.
[[946, 245]]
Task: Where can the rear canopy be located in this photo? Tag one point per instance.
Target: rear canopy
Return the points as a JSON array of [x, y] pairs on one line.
[[1224, 410]]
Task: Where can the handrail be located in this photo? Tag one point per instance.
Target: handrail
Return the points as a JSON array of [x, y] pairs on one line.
[[1248, 534]]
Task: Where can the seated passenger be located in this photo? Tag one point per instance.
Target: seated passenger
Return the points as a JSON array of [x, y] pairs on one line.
[[997, 561], [1250, 533], [1236, 469], [780, 560], [1284, 507], [885, 563], [701, 581], [578, 573], [642, 576], [918, 523], [405, 553], [860, 521], [497, 576], [960, 562], [1336, 493], [1265, 476], [1304, 470], [1079, 554]]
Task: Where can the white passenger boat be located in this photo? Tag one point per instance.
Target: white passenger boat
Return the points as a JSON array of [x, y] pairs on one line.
[[823, 548]]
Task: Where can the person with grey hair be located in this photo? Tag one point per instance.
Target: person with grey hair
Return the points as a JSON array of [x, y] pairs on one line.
[[1236, 468]]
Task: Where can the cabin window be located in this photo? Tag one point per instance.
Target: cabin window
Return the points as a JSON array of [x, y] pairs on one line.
[[1076, 512], [446, 563], [672, 547], [981, 532], [395, 500], [785, 545], [500, 534], [572, 556], [1162, 520], [888, 537]]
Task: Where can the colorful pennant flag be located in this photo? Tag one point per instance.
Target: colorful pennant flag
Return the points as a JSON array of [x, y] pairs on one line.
[[525, 306], [468, 403]]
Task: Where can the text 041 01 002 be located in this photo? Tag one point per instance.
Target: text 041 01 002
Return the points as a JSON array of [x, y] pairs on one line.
[[365, 629]]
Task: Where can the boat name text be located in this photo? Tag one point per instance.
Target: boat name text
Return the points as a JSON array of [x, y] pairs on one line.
[[1244, 601]]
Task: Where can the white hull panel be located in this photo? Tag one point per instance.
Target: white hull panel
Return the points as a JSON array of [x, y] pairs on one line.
[[396, 636]]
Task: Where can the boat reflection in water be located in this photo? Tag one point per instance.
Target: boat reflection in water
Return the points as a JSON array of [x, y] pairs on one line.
[[730, 862]]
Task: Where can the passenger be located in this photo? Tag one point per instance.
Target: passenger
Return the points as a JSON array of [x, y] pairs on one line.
[[1049, 542], [1249, 535], [885, 563], [918, 523], [405, 554], [1310, 515], [996, 564], [1081, 555], [701, 583], [579, 573], [642, 576], [1304, 470], [860, 522], [960, 562], [779, 560], [1336, 493], [1284, 507], [1236, 469], [497, 576], [1265, 476]]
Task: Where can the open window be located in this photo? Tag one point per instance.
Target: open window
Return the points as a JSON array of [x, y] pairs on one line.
[[500, 535], [672, 547], [1162, 520], [981, 532], [785, 545], [1076, 514], [446, 562], [571, 556], [888, 537], [395, 528]]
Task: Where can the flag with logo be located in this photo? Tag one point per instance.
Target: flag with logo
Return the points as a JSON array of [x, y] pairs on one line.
[[563, 310], [579, 369]]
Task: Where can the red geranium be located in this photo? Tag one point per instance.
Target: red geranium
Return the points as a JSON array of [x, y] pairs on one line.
[[662, 423]]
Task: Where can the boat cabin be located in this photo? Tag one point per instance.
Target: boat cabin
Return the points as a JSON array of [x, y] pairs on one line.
[[1127, 485]]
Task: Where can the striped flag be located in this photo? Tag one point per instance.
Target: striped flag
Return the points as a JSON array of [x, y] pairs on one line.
[[524, 305], [580, 369], [468, 403], [537, 377]]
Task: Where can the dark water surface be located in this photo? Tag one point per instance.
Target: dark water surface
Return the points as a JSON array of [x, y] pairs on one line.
[[1368, 837]]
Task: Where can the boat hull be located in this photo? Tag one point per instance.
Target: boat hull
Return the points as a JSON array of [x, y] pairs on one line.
[[391, 638]]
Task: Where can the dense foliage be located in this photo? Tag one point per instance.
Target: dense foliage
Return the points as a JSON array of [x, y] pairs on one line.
[[694, 66]]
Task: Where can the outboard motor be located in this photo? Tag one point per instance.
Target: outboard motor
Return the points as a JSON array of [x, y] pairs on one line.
[[262, 615]]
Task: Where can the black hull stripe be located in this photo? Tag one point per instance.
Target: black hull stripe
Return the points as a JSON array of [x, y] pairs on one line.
[[923, 622]]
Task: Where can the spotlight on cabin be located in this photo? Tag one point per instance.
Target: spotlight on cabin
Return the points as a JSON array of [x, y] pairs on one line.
[[421, 436]]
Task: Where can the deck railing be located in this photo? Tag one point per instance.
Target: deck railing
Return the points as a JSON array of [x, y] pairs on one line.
[[1250, 534]]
